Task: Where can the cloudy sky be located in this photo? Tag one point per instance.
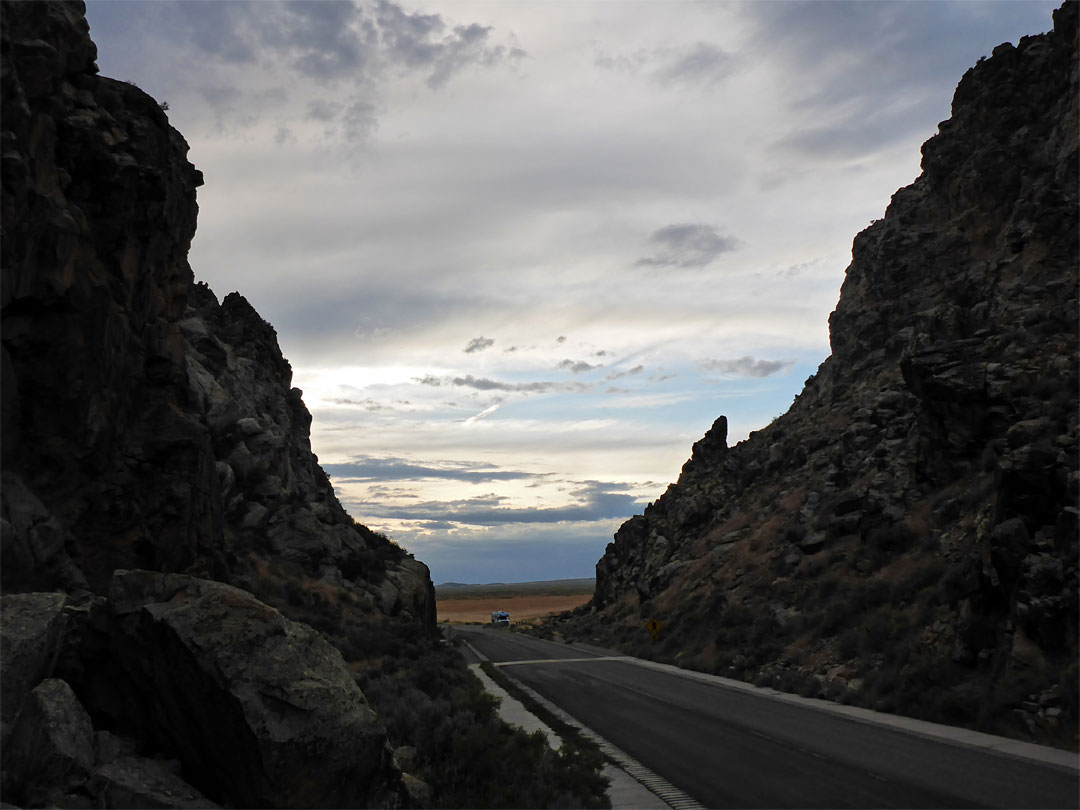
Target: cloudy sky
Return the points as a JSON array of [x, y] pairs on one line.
[[522, 254]]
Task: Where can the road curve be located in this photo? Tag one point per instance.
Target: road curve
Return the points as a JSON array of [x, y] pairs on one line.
[[731, 748]]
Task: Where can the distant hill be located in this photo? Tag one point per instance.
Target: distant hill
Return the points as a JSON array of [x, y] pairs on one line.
[[555, 587]]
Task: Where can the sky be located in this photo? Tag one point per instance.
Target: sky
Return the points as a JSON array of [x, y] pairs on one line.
[[521, 255]]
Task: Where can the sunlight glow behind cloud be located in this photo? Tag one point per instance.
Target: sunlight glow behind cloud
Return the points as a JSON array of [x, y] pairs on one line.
[[521, 255]]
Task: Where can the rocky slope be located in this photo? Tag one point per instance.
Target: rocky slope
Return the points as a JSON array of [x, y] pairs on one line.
[[161, 506], [906, 535]]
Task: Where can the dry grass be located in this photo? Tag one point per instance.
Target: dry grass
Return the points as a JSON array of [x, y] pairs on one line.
[[520, 608]]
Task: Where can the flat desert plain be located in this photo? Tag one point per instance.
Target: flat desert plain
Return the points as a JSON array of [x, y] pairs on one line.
[[519, 607], [524, 601]]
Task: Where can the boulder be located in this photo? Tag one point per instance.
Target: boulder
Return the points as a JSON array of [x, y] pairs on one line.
[[137, 782], [260, 710], [32, 540], [51, 747], [31, 631]]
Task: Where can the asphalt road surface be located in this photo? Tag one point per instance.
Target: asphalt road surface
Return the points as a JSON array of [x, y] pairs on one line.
[[729, 748]]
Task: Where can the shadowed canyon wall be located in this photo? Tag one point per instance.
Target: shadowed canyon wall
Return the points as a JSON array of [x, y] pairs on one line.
[[906, 535], [164, 520]]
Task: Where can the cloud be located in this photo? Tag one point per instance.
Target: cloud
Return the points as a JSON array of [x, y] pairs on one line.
[[865, 76], [486, 412], [615, 375], [367, 404], [688, 245], [702, 64], [324, 41], [578, 367], [421, 42], [596, 500], [512, 553], [485, 384], [359, 122], [322, 110], [357, 49], [393, 468], [478, 344], [746, 367]]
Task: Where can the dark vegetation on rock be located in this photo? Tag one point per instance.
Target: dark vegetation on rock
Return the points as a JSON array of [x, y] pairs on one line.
[[189, 618], [905, 537]]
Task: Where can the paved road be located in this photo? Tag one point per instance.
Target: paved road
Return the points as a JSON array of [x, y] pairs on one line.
[[730, 748]]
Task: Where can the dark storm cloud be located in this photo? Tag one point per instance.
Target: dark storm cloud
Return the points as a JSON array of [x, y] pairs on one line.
[[746, 367], [702, 63], [326, 40], [422, 42], [478, 344], [596, 500], [329, 42], [577, 367], [373, 468], [688, 244]]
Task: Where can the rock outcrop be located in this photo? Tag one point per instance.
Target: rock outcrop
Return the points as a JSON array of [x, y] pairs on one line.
[[906, 535], [148, 427]]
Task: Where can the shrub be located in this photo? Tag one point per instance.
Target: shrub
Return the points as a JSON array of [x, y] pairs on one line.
[[427, 698]]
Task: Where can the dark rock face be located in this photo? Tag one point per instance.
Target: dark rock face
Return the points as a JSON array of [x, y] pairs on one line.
[[928, 473], [148, 426]]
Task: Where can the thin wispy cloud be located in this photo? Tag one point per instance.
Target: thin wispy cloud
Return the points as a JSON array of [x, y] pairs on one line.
[[595, 500], [393, 468], [537, 387], [616, 375], [577, 366], [484, 413], [702, 64], [746, 366]]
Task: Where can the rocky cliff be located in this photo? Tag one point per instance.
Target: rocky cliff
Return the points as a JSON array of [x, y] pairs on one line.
[[906, 535], [162, 511]]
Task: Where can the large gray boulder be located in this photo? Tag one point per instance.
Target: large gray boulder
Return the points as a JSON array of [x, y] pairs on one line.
[[260, 710], [31, 632], [52, 746]]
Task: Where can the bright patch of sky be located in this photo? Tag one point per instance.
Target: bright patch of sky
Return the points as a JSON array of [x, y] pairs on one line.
[[522, 255]]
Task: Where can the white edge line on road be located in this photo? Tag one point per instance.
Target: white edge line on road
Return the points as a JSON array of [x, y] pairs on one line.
[[675, 798], [952, 735], [564, 660]]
